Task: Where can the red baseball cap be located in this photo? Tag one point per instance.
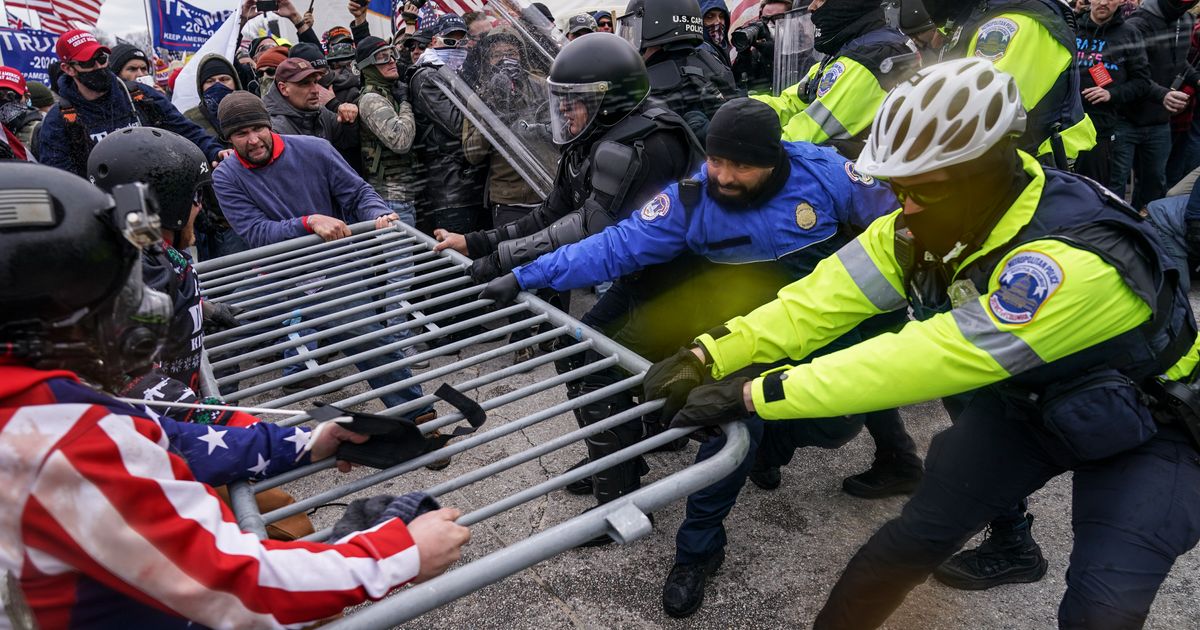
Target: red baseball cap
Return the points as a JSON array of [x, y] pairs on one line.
[[78, 45], [12, 79]]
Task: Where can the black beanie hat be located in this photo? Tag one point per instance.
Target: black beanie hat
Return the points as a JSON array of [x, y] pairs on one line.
[[239, 110], [212, 67], [367, 47], [746, 131], [311, 53], [123, 54]]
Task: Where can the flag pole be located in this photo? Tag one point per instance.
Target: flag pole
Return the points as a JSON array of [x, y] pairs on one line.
[[149, 27]]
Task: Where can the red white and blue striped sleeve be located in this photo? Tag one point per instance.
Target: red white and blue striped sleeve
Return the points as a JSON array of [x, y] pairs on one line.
[[113, 503]]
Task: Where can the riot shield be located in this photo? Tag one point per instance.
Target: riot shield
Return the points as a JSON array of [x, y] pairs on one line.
[[794, 53], [501, 90]]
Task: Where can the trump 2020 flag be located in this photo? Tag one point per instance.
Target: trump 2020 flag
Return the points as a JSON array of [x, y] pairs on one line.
[[30, 51], [180, 26]]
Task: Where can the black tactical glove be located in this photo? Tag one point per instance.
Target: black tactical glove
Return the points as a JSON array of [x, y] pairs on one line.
[[486, 269], [713, 405], [400, 91], [672, 378], [218, 317], [502, 290]]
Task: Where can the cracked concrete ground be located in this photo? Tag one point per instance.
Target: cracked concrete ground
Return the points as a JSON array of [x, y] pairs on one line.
[[786, 548]]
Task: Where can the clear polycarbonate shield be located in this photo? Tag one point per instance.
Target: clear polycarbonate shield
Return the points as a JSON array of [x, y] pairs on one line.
[[629, 27], [501, 89], [795, 36], [573, 107]]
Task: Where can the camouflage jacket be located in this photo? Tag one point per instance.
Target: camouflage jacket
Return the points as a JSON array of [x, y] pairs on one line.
[[387, 133]]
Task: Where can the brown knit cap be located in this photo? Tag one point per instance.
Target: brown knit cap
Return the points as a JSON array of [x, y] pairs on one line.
[[239, 110]]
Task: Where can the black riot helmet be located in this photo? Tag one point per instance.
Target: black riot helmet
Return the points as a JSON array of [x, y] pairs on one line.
[[172, 167], [595, 82], [661, 22], [940, 11], [71, 292]]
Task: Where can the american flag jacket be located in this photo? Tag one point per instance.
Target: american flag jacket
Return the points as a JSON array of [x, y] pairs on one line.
[[107, 517]]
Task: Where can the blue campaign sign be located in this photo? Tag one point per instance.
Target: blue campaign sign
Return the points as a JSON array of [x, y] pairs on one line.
[[178, 25], [382, 7], [30, 51]]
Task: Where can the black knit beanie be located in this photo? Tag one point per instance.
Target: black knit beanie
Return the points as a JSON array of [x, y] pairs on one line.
[[746, 131], [212, 67]]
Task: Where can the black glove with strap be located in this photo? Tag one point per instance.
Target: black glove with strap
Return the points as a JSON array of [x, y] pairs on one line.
[[672, 378], [713, 405], [486, 269], [502, 290], [218, 316]]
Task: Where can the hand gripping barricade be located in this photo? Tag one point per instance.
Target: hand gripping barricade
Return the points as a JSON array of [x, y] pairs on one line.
[[392, 276]]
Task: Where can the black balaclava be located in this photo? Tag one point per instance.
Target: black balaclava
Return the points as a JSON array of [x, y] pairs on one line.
[[839, 21], [98, 80], [969, 204]]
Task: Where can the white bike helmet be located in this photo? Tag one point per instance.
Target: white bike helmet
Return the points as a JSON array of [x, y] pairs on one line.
[[946, 114]]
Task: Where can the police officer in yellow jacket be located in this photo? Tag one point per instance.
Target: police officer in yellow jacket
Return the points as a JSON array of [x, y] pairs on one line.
[[863, 59], [1034, 41], [1042, 305]]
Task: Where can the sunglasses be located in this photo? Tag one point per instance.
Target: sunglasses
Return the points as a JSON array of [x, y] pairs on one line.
[[923, 194], [604, 24], [447, 42], [99, 61], [270, 72]]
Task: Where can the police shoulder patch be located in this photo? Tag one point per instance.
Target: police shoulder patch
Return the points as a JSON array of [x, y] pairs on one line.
[[856, 177], [1027, 281], [994, 37], [829, 78], [656, 207]]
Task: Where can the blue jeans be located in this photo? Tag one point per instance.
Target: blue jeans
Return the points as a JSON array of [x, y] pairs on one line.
[[1169, 218], [1132, 515], [210, 245], [1142, 150], [773, 443], [396, 374]]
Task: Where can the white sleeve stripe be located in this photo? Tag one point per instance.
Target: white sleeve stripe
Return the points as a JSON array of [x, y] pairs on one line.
[[294, 570], [100, 530]]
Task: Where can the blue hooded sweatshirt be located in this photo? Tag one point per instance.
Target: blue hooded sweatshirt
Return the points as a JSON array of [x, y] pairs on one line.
[[113, 111]]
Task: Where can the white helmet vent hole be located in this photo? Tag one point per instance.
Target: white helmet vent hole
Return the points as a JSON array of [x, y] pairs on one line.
[[922, 143], [932, 92]]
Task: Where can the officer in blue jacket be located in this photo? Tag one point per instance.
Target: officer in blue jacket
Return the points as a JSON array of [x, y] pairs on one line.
[[759, 214]]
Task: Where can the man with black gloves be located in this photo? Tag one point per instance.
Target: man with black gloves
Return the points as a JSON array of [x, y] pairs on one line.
[[758, 216], [1043, 307], [688, 78], [122, 498], [1144, 140], [754, 63], [94, 103], [619, 150], [1034, 42], [454, 197], [864, 58], [1114, 78]]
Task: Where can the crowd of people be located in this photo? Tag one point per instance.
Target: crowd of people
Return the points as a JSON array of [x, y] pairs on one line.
[[935, 208]]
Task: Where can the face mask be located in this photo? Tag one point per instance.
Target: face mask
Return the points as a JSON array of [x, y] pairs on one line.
[[96, 80], [452, 57], [213, 96], [716, 34]]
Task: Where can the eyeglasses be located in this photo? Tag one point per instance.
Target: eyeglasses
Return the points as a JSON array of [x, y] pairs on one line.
[[99, 61], [385, 57]]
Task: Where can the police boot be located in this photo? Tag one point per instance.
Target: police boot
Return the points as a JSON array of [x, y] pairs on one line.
[[765, 477], [683, 592], [1006, 556], [892, 473]]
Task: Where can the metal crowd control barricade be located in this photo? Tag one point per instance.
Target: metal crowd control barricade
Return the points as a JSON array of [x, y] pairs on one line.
[[345, 285]]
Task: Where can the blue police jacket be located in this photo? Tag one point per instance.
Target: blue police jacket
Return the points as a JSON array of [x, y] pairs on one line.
[[823, 196]]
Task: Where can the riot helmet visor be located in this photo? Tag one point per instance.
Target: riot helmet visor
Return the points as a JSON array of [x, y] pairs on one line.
[[573, 108]]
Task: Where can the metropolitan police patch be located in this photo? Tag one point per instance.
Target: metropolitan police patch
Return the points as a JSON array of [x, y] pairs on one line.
[[994, 38], [856, 177], [1026, 282], [827, 80], [657, 207]]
